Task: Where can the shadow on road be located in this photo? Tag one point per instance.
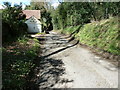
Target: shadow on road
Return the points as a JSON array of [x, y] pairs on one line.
[[47, 74], [61, 50], [47, 71]]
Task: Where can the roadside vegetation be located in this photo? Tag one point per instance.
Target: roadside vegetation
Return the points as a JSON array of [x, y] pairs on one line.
[[93, 24], [18, 62], [0, 11], [18, 50], [103, 35]]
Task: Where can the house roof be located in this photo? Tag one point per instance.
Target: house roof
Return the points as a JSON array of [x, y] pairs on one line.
[[30, 13], [33, 20]]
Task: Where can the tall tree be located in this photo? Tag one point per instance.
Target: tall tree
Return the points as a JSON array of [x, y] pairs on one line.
[[10, 17]]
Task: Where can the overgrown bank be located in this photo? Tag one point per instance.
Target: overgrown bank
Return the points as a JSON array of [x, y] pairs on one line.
[[18, 61], [104, 35]]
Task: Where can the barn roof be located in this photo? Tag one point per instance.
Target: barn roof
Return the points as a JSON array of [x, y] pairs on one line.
[[33, 20], [30, 13]]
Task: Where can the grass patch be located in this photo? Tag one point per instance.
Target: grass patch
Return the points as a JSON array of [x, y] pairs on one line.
[[42, 33], [104, 35], [70, 30], [0, 11]]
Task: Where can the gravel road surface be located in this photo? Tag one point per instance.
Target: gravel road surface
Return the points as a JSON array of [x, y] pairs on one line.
[[68, 65]]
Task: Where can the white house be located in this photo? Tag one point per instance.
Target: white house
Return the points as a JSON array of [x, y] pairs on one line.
[[33, 21], [34, 25]]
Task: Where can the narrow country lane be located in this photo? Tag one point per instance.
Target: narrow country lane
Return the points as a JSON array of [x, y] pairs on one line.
[[65, 64]]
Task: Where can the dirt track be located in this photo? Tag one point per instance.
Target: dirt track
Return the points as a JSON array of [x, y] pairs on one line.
[[65, 64]]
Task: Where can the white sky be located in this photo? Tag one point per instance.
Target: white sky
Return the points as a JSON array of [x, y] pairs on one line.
[[27, 2], [54, 3], [1, 7]]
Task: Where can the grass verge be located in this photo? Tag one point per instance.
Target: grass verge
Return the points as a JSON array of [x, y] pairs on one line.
[[17, 62], [104, 35]]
